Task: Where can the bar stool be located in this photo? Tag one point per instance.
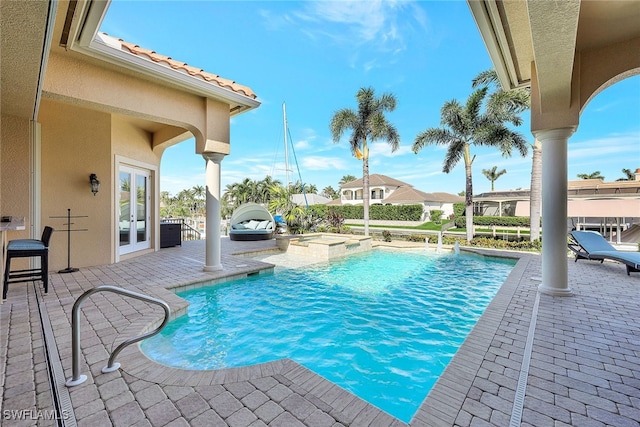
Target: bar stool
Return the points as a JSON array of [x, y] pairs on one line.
[[23, 248]]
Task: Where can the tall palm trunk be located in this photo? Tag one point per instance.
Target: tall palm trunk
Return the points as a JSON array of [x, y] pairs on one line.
[[365, 186], [468, 197], [535, 194]]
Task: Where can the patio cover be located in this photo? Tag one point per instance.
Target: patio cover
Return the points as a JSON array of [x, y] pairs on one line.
[[609, 208]]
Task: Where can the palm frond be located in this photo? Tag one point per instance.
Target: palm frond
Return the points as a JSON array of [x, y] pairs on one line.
[[485, 78], [387, 102], [341, 121], [432, 136], [452, 116], [453, 156], [474, 103]]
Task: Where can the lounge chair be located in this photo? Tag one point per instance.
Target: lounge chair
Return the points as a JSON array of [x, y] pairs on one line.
[[591, 245], [251, 221]]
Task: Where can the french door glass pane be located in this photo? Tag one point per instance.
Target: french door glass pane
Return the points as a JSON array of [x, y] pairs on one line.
[[125, 208], [141, 204]]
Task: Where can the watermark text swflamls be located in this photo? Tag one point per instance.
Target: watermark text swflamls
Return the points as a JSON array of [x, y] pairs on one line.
[[33, 414]]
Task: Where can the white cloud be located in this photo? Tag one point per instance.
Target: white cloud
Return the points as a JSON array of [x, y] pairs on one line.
[[352, 23], [380, 148], [598, 148], [323, 163], [301, 145]]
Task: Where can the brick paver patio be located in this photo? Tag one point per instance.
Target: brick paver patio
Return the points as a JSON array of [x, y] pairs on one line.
[[532, 360]]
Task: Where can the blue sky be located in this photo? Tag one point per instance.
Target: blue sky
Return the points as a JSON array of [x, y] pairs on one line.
[[314, 56]]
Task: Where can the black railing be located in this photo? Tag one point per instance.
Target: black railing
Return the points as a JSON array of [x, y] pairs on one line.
[[187, 231]]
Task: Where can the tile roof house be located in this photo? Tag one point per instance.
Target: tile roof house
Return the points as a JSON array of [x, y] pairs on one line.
[[609, 207], [387, 190], [586, 198], [77, 102], [308, 199]]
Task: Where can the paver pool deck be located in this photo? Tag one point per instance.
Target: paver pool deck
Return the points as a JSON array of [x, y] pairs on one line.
[[532, 359]]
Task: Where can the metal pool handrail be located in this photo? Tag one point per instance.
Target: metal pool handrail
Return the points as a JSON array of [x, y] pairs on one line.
[[75, 330]]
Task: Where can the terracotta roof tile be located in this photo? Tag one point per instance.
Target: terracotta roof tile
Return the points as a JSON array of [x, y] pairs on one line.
[[376, 179], [188, 69], [406, 194]]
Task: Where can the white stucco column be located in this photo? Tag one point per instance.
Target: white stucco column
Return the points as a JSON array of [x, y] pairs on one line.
[[554, 211], [212, 253]]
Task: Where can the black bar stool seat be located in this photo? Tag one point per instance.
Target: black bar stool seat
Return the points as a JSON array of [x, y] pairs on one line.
[[26, 248]]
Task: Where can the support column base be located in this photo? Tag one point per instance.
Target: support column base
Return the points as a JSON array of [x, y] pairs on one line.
[[554, 292], [212, 267]]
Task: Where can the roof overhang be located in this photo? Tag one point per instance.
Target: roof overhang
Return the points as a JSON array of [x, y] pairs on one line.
[[566, 51], [27, 30], [491, 19], [82, 26]]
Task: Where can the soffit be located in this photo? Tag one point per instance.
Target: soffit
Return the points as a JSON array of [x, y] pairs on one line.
[[605, 23], [23, 26], [515, 17], [518, 33], [146, 125]]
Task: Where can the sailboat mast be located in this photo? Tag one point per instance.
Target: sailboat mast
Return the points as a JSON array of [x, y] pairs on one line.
[[286, 145]]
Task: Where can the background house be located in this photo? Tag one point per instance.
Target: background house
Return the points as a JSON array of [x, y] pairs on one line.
[[612, 208], [387, 190]]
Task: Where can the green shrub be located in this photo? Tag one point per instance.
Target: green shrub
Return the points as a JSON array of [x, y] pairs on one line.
[[376, 212], [436, 215], [502, 221], [334, 220], [498, 221], [458, 209], [490, 242], [395, 212]]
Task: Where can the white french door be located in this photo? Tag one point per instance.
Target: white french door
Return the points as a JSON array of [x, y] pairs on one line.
[[134, 217]]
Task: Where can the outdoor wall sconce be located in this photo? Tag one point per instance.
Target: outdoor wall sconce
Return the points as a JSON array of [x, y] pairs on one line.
[[95, 184]]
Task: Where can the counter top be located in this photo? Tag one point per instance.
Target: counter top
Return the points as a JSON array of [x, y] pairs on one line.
[[17, 223]]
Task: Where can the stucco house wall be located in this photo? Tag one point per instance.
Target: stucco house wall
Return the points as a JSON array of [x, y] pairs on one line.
[[92, 124], [446, 208], [75, 143], [14, 175], [75, 102]]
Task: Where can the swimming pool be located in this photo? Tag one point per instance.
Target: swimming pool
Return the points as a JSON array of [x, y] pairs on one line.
[[382, 325]]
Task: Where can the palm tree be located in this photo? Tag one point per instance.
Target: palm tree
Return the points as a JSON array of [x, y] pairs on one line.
[[493, 174], [367, 125], [329, 192], [592, 175], [346, 179], [515, 102], [535, 192], [299, 187], [463, 126], [281, 203], [264, 189], [199, 193], [629, 176]]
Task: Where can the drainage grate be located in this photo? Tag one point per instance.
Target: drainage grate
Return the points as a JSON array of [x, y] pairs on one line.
[[518, 402], [60, 394]]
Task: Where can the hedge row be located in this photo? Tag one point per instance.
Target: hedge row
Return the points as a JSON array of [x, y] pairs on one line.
[[482, 242], [500, 221], [376, 212]]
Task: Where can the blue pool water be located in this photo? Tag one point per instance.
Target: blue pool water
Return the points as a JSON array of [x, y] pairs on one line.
[[382, 325]]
